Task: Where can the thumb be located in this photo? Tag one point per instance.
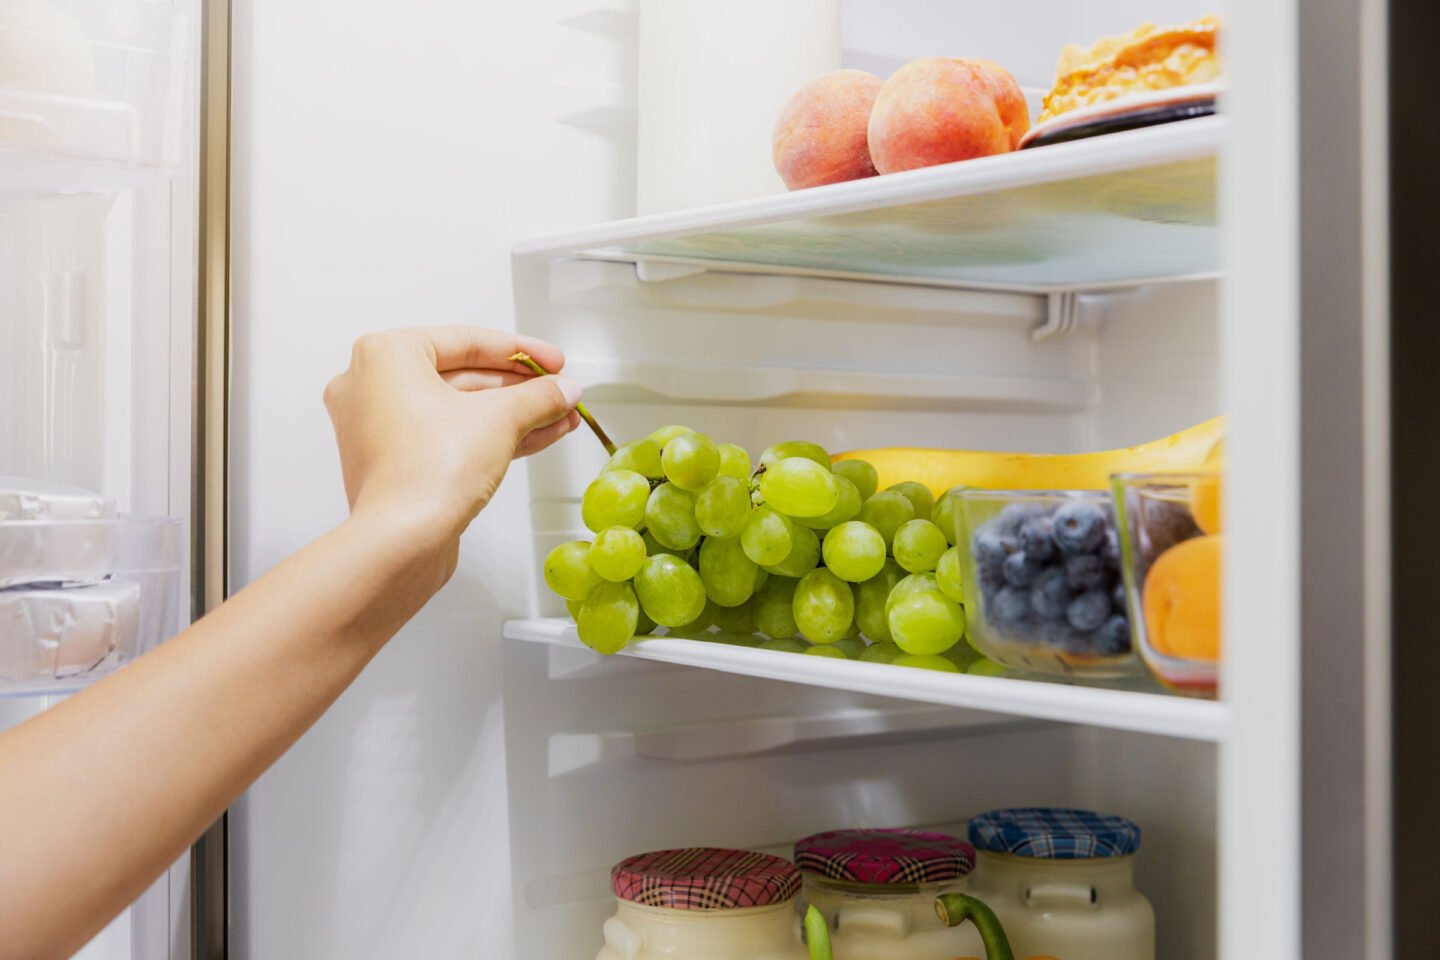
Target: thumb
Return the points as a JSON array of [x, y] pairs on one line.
[[539, 402]]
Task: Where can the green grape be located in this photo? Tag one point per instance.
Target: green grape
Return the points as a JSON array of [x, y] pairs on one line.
[[761, 576], [568, 571], [723, 507], [774, 607], [852, 645], [914, 583], [799, 487], [926, 622], [881, 653], [617, 553], [662, 437], [640, 456], [919, 496], [946, 514], [670, 516], [847, 507], [887, 511], [729, 575], [691, 461], [608, 617], [854, 551], [737, 620], [768, 536], [985, 667], [670, 591], [926, 662], [919, 545], [734, 462], [573, 608], [654, 547], [803, 557], [696, 629], [948, 575], [785, 645], [826, 650], [615, 499], [870, 598], [788, 449], [824, 606], [860, 473]]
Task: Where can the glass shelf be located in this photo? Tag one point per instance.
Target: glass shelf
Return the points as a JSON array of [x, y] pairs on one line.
[[1146, 710], [1115, 210]]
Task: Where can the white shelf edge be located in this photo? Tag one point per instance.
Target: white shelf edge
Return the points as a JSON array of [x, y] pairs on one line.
[[765, 384], [1161, 714], [1169, 143]]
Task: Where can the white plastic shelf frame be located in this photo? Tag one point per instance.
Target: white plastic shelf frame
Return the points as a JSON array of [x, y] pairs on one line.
[[1094, 705], [1117, 210]]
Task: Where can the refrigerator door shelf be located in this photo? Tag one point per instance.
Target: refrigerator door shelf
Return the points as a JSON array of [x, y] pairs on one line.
[[82, 598], [90, 94], [1133, 705], [1113, 211]]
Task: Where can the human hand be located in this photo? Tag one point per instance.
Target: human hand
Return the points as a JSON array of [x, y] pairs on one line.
[[428, 419]]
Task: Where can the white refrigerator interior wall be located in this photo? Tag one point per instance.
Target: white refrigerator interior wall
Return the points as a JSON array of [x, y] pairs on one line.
[[385, 160]]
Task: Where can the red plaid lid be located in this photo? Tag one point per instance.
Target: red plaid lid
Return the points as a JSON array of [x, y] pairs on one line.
[[705, 878], [885, 856]]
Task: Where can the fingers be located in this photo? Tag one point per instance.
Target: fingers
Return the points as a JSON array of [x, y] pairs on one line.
[[479, 348], [472, 380], [538, 402], [537, 440]]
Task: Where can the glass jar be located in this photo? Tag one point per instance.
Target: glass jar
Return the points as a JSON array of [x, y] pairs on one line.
[[1062, 883], [704, 903], [877, 890], [1042, 582]]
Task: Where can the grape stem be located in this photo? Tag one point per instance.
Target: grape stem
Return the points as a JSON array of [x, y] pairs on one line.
[[580, 408]]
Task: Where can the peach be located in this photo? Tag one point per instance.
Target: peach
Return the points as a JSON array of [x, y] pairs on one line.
[[942, 109], [821, 136], [1181, 600]]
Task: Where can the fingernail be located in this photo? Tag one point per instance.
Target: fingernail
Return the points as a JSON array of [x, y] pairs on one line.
[[569, 389]]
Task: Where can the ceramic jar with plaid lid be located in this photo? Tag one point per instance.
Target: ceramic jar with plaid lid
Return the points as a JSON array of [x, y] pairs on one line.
[[704, 903], [877, 889], [1062, 882]]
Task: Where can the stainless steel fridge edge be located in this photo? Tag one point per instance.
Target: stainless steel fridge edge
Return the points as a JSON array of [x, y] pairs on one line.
[[209, 899]]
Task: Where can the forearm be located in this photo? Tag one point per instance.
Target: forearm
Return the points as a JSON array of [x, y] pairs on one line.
[[101, 793]]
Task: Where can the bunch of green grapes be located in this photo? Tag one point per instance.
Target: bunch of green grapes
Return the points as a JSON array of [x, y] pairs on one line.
[[796, 554]]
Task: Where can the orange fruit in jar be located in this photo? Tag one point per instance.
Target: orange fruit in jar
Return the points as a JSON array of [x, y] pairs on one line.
[[1181, 600], [1205, 502]]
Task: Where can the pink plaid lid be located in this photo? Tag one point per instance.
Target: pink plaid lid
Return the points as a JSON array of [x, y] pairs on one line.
[[705, 878], [885, 856]]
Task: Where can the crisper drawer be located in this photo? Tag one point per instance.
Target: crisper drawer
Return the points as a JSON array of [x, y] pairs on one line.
[[90, 92]]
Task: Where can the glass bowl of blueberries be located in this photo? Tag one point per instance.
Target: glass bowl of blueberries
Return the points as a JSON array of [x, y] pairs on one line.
[[1043, 586]]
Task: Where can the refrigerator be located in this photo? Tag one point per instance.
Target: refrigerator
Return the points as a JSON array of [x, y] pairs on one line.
[[191, 242]]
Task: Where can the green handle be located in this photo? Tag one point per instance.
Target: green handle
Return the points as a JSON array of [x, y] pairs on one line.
[[817, 935], [955, 908]]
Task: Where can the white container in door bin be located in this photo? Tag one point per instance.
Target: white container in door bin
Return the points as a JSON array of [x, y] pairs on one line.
[[1062, 882], [877, 890], [704, 903], [713, 77], [90, 92], [83, 597]]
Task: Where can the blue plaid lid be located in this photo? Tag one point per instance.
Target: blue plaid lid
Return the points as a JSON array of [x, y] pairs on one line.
[[1054, 833]]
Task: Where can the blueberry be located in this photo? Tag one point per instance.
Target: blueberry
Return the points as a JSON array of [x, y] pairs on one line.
[[1085, 571], [1088, 611], [1010, 605], [1050, 596], [1020, 570], [991, 547], [1117, 596], [1110, 550], [1079, 527], [1016, 514], [1061, 636], [991, 579], [1113, 637], [1037, 538]]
